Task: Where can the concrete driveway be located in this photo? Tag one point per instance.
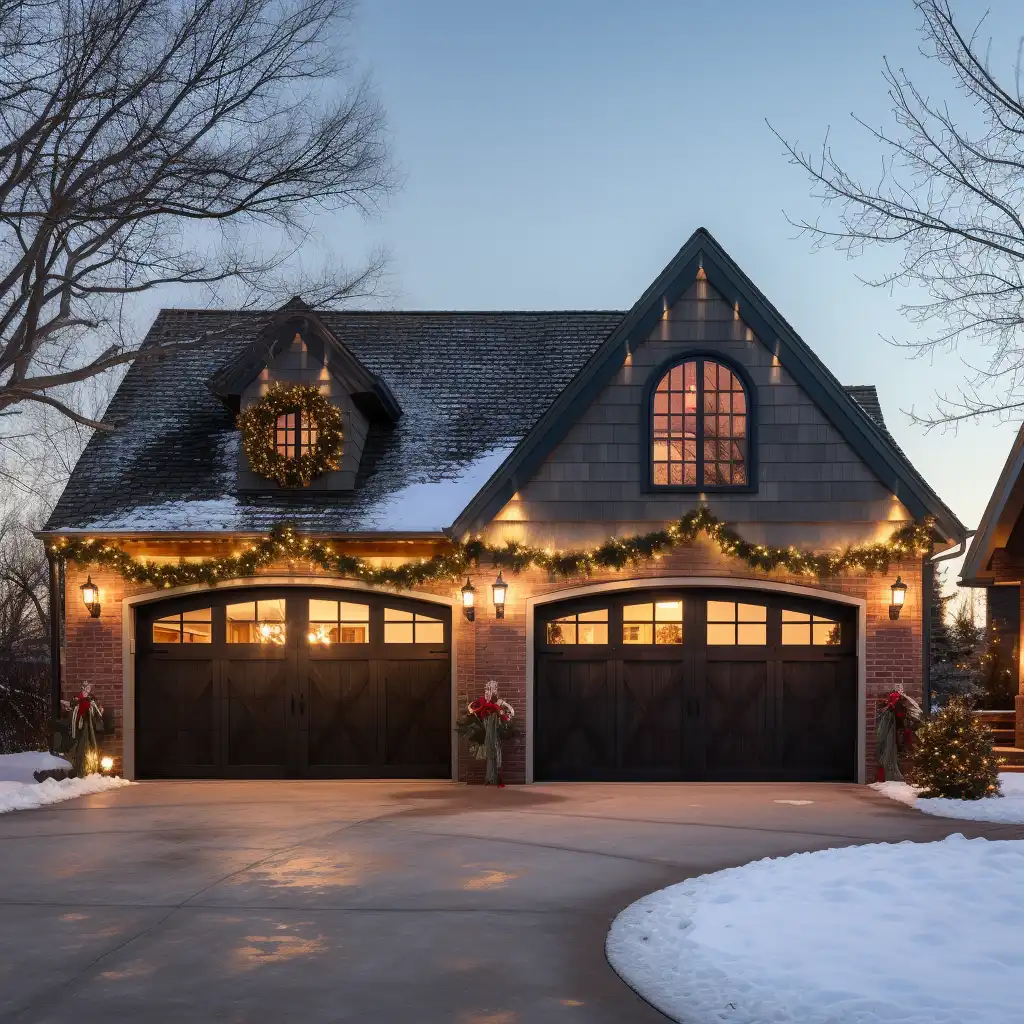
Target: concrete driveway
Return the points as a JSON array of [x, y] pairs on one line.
[[339, 901]]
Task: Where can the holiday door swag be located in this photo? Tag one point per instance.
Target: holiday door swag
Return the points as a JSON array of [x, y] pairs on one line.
[[285, 542], [484, 724], [319, 417]]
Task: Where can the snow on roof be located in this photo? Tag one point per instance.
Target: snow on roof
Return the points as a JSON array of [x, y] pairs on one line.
[[436, 504], [426, 506]]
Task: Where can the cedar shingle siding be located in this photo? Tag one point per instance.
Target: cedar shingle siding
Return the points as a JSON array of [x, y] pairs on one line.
[[807, 474]]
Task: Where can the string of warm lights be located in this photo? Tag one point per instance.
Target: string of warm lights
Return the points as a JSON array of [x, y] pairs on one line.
[[284, 543]]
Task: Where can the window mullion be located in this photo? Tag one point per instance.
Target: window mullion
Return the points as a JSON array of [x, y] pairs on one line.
[[700, 423]]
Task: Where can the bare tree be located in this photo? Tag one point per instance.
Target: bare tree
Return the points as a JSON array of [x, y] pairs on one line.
[[24, 638], [950, 202], [146, 143]]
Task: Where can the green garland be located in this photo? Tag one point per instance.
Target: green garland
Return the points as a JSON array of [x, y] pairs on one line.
[[258, 424], [284, 542]]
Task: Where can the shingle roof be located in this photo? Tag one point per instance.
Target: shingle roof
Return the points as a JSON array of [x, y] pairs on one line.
[[866, 396], [469, 384]]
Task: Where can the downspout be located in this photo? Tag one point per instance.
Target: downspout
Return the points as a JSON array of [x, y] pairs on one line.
[[927, 577], [56, 621]]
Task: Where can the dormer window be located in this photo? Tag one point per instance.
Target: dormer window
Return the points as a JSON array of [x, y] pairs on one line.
[[294, 436], [700, 428]]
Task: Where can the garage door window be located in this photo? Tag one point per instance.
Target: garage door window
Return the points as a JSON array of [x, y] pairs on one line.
[[658, 622], [803, 629], [194, 627], [401, 627], [338, 622], [582, 628], [256, 622], [731, 624]]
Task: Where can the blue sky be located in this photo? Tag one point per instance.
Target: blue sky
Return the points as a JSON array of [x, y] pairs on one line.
[[557, 153]]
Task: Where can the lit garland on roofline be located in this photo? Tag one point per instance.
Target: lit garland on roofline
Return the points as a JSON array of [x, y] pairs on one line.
[[284, 543]]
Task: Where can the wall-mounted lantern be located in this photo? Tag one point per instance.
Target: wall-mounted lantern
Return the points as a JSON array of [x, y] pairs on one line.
[[91, 597], [499, 588], [468, 600], [899, 595]]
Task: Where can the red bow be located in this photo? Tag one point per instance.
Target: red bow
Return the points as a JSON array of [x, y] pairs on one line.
[[482, 707]]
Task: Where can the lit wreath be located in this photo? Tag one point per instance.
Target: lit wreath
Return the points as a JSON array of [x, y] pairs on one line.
[[258, 424]]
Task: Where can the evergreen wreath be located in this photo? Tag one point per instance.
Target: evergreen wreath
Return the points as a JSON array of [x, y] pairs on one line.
[[910, 540], [258, 424]]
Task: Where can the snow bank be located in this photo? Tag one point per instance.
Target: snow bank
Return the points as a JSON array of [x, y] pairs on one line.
[[19, 767], [20, 792], [914, 933], [1007, 809]]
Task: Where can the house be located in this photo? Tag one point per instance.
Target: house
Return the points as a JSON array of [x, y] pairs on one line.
[[536, 498], [995, 562]]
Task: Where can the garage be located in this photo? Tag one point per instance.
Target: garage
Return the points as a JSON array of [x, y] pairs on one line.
[[695, 684], [293, 682]]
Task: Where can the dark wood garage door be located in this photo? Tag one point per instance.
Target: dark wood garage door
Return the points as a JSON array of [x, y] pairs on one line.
[[695, 684], [293, 683]]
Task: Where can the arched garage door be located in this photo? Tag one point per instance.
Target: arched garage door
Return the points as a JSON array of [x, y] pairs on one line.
[[293, 683], [695, 685]]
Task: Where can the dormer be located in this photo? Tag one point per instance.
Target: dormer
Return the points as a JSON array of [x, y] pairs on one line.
[[298, 348]]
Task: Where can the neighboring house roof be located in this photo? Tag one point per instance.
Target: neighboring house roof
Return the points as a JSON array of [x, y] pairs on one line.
[[484, 397], [1001, 515], [470, 386], [859, 427]]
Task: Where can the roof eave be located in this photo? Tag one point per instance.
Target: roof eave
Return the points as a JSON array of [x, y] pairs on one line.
[[1002, 511], [361, 535]]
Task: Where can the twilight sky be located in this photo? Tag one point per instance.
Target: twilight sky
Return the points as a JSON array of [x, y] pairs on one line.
[[558, 152]]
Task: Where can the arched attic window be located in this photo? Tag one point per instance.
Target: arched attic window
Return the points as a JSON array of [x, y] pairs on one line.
[[700, 427]]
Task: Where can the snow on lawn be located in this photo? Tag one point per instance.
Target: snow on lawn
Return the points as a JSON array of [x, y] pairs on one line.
[[20, 792], [19, 767], [1008, 809], [914, 933]]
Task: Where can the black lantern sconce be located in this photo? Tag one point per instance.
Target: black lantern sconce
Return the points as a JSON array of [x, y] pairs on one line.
[[499, 589], [469, 601], [899, 595], [91, 597]]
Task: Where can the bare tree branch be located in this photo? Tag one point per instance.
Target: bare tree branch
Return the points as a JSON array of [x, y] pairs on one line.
[[949, 201], [153, 142]]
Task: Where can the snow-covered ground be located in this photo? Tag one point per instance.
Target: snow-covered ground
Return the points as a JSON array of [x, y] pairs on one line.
[[20, 792], [914, 933], [1007, 809], [19, 767]]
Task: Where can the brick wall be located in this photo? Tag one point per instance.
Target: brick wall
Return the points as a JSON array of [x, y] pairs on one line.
[[497, 649]]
